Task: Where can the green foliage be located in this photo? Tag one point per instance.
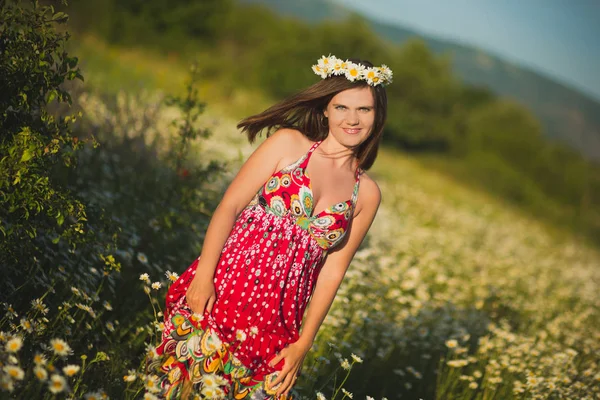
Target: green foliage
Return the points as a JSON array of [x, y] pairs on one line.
[[422, 100], [66, 265], [154, 22], [35, 211]]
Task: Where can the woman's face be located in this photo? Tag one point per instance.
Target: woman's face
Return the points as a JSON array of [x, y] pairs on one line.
[[351, 115]]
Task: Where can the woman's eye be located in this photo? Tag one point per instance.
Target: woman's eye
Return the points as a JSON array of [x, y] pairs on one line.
[[339, 107]]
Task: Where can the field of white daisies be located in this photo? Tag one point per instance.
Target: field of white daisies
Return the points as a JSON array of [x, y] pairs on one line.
[[453, 295]]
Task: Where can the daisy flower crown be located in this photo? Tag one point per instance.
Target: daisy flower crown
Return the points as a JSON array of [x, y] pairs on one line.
[[331, 65]]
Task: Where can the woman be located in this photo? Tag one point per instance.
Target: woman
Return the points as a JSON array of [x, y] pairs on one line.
[[285, 231]]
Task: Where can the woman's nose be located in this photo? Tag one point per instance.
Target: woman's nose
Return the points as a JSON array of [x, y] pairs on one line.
[[352, 118]]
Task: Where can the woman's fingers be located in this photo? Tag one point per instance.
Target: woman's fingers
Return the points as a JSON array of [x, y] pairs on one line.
[[277, 358], [287, 382], [211, 302], [196, 305], [280, 376], [294, 377]]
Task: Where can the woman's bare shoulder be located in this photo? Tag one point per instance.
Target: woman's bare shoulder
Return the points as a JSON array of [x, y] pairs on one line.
[[288, 142], [289, 137], [369, 193]]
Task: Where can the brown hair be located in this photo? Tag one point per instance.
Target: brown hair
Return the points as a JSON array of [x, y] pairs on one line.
[[304, 111]]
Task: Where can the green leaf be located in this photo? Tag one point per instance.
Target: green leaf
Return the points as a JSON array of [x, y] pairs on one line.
[[60, 17], [51, 96], [28, 154], [72, 61]]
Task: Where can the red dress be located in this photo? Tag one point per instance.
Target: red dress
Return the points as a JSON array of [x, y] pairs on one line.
[[264, 279]]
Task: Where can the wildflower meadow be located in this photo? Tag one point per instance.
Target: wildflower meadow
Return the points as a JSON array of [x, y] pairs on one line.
[[454, 294]]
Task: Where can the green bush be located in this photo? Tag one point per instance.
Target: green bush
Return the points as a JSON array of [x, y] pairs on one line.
[[38, 216], [81, 222]]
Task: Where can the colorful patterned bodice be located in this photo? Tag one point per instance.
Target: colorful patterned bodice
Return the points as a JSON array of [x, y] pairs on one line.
[[288, 192]]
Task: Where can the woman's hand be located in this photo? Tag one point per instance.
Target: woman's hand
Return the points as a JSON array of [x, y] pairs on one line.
[[201, 294], [293, 355]]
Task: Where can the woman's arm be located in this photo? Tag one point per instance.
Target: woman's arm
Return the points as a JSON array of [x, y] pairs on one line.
[[261, 164], [328, 283], [337, 262]]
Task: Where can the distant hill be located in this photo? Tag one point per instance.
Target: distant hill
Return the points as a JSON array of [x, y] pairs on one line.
[[566, 114]]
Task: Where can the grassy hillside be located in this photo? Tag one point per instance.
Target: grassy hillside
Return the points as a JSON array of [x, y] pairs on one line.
[[114, 67], [453, 294], [450, 275]]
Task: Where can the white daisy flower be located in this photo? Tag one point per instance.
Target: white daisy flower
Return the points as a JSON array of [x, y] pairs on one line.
[[39, 359], [152, 351], [356, 358], [14, 344], [86, 308], [40, 373], [354, 71], [209, 393], [340, 66], [198, 317], [172, 276], [321, 396], [7, 384], [60, 347], [26, 325], [107, 305], [373, 76], [150, 396], [71, 369], [457, 363], [145, 278], [151, 383], [253, 331], [14, 371], [92, 396], [38, 305], [131, 376], [345, 364], [210, 381], [326, 63], [386, 72], [156, 285], [347, 393], [240, 335], [322, 72], [57, 384], [142, 258]]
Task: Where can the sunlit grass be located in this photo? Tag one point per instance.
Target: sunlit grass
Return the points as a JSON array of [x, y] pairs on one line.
[[110, 68]]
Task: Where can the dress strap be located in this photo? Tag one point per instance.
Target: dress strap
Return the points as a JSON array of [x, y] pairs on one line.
[[356, 185], [309, 153]]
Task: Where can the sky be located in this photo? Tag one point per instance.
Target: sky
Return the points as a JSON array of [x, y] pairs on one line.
[[560, 38]]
